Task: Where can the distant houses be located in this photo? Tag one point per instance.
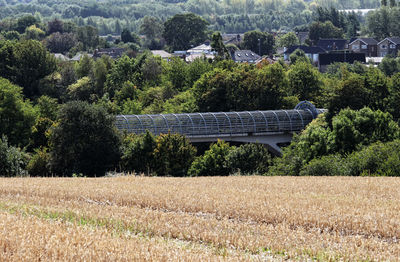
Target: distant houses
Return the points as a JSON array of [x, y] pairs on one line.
[[368, 46], [311, 52], [245, 56], [389, 46]]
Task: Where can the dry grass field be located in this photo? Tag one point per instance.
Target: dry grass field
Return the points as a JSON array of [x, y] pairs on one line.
[[200, 219]]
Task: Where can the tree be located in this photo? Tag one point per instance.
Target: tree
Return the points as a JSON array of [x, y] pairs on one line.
[[304, 81], [88, 36], [12, 160], [138, 153], [324, 30], [34, 33], [259, 42], [26, 63], [55, 26], [151, 27], [353, 129], [298, 55], [17, 115], [173, 155], [126, 36], [249, 159], [213, 162], [183, 30], [24, 22], [84, 141], [288, 39], [60, 43], [218, 46]]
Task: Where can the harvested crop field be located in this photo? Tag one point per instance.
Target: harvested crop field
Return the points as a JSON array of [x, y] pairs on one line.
[[200, 219]]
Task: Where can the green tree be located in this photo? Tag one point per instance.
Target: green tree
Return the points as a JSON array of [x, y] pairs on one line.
[[127, 37], [213, 162], [173, 155], [24, 22], [84, 141], [352, 129], [34, 33], [304, 81], [138, 153], [12, 160], [288, 39], [218, 46], [17, 115], [151, 27], [260, 42], [324, 30], [183, 30], [249, 159]]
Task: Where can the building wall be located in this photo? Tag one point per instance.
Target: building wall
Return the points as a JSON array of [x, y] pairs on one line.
[[359, 47], [387, 47]]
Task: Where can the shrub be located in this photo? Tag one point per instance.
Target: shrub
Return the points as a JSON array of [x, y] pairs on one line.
[[84, 140], [213, 162], [330, 165], [173, 155], [39, 163], [12, 160], [138, 153], [249, 159]]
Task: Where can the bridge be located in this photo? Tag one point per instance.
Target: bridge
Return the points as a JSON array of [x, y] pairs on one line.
[[272, 127]]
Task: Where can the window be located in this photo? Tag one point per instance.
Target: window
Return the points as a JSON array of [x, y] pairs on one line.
[[383, 46], [392, 46], [355, 47], [363, 46]]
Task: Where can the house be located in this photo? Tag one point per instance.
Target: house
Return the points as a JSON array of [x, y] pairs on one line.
[[79, 56], [61, 57], [232, 39], [368, 46], [326, 59], [164, 55], [192, 57], [201, 49], [245, 56], [311, 52], [332, 44], [389, 46], [114, 52]]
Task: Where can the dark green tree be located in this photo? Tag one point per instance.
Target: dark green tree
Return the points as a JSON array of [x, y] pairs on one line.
[[249, 159], [259, 42], [84, 141], [218, 46], [184, 30]]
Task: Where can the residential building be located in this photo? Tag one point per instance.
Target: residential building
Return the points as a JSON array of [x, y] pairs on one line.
[[114, 52], [368, 46], [325, 59], [164, 55], [201, 49], [332, 44], [311, 52], [61, 57], [245, 56], [389, 46]]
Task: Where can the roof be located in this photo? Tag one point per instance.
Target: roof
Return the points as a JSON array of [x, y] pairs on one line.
[[192, 57], [306, 49], [161, 53], [245, 56], [367, 41], [332, 44], [61, 57], [112, 52], [200, 49], [395, 40], [79, 56]]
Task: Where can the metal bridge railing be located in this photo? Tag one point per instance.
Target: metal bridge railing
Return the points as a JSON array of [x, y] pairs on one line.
[[221, 123]]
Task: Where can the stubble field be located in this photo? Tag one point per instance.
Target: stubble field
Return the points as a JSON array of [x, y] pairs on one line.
[[200, 219]]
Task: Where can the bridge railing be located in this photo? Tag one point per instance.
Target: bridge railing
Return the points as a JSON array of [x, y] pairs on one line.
[[220, 123]]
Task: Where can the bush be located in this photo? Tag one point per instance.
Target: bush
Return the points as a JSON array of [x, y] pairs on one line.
[[331, 165], [39, 163], [138, 153], [249, 159], [173, 155], [213, 162], [12, 160], [84, 140]]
